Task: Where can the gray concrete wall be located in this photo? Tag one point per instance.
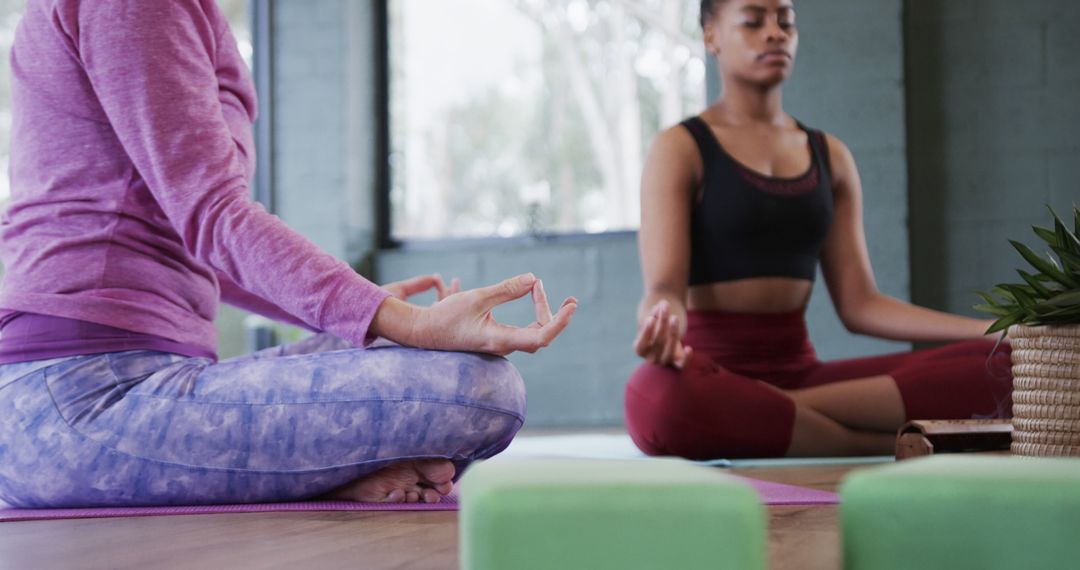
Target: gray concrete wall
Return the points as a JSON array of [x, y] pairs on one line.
[[850, 84], [994, 125], [324, 117]]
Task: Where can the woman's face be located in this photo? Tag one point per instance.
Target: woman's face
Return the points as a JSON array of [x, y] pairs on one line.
[[754, 40]]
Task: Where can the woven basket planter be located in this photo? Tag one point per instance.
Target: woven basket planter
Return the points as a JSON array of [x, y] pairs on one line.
[[1046, 390]]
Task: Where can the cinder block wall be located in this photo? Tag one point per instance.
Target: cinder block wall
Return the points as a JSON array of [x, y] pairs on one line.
[[994, 124]]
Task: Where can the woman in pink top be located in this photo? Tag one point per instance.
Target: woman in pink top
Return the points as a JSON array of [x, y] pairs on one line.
[[130, 218]]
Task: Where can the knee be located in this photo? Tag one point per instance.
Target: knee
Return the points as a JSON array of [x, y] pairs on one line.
[[644, 409], [660, 410], [493, 392], [490, 383], [706, 415]]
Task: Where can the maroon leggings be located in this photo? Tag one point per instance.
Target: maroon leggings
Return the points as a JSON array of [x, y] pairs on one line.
[[720, 404]]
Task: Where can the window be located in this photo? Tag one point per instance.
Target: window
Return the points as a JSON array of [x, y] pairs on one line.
[[239, 14], [532, 117]]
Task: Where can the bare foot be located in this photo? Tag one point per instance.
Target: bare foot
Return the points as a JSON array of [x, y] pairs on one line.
[[406, 482]]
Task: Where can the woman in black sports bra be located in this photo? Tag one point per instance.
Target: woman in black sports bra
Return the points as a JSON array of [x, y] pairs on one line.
[[739, 206]]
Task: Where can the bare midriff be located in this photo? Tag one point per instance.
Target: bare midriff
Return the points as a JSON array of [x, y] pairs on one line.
[[766, 295]]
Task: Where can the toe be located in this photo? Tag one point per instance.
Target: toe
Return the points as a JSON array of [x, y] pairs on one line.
[[432, 496], [436, 471]]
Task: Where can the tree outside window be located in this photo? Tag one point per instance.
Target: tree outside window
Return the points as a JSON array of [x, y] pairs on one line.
[[532, 117]]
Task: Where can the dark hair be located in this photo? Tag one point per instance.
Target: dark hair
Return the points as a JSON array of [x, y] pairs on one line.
[[708, 10]]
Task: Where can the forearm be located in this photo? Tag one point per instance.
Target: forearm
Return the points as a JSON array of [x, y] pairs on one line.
[[234, 295], [887, 317]]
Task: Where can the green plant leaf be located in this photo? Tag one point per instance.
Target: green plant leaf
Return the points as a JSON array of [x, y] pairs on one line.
[[1040, 289], [1070, 261], [1004, 323], [1054, 262], [1023, 294], [1004, 294], [1066, 240], [1046, 235], [995, 302], [993, 310], [1066, 315], [1076, 219], [1069, 299], [1047, 267]]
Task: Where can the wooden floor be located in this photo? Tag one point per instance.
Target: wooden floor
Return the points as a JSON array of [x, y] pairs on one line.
[[806, 538]]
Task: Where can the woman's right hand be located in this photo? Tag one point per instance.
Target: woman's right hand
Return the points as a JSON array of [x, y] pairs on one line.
[[464, 321], [659, 338]]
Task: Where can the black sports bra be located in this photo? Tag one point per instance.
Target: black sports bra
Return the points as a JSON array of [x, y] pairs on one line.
[[751, 225]]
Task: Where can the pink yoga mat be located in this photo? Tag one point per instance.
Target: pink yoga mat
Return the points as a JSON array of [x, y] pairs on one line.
[[773, 494], [449, 503], [779, 494]]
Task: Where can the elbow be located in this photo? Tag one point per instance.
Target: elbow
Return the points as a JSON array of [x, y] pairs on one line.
[[858, 315], [851, 324], [200, 219], [854, 317]]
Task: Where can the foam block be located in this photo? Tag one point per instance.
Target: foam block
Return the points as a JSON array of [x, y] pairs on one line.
[[963, 511], [594, 514]]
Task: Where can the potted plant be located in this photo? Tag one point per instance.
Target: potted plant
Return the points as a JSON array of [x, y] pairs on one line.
[[1041, 315]]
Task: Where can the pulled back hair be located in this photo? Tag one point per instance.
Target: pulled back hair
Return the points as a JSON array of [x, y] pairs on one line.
[[708, 10]]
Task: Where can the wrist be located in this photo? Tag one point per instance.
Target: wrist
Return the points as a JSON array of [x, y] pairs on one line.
[[399, 321], [676, 305]]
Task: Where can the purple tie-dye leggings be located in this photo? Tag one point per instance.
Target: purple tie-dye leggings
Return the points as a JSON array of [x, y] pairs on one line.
[[287, 423]]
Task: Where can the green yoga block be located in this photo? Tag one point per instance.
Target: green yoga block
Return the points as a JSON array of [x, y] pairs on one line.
[[591, 514], [955, 511]]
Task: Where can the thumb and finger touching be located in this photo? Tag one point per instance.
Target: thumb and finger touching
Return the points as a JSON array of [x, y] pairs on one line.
[[659, 340], [540, 333]]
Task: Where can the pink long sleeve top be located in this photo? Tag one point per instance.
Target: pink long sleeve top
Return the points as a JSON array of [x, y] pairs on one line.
[[131, 156]]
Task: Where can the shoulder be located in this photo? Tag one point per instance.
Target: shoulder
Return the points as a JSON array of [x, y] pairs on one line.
[[677, 137], [137, 15], [675, 146], [841, 161], [121, 8], [675, 151], [674, 163]]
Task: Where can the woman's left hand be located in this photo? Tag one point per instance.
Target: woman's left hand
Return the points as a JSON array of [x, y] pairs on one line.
[[404, 289]]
